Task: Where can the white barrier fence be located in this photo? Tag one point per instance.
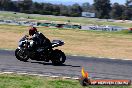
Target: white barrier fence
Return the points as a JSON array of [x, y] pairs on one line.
[[13, 22], [86, 27], [103, 28]]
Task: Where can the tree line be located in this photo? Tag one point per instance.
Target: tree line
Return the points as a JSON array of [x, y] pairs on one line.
[[102, 8]]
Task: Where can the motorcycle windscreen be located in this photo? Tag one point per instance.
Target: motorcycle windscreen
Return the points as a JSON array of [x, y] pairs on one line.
[[56, 43]]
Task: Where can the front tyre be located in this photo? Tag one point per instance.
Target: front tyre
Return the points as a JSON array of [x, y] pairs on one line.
[[58, 57], [21, 55]]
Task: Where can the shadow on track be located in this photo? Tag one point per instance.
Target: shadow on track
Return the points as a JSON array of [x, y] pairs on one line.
[[44, 63]]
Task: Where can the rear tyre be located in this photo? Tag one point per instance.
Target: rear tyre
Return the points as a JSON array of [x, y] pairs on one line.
[[21, 55], [58, 57]]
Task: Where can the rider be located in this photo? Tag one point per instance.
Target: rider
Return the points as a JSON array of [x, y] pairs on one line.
[[39, 39]]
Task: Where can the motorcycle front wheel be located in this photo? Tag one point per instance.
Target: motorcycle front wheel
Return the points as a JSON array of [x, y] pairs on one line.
[[21, 55], [58, 57]]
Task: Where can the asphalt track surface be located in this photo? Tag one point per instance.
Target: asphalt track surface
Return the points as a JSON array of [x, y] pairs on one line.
[[98, 68]]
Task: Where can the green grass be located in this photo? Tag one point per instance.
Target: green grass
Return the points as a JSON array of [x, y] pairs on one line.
[[19, 81], [81, 20]]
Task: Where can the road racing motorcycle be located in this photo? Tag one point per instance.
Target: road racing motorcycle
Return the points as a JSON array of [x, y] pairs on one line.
[[24, 52]]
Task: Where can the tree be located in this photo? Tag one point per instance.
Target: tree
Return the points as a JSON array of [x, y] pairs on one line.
[[63, 10], [128, 11], [123, 12], [47, 8], [76, 10], [25, 5], [56, 10], [13, 7], [36, 8], [129, 3], [127, 14], [102, 8], [117, 11], [86, 7], [4, 4]]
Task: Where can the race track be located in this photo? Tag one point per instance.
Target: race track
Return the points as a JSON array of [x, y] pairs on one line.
[[96, 67]]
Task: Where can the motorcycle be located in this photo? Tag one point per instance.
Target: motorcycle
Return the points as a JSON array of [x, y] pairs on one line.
[[25, 51]]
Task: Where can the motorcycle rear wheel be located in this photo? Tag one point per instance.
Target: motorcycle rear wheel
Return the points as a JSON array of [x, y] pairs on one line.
[[20, 55]]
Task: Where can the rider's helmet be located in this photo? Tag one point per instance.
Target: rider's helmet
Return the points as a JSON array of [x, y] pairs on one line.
[[32, 30]]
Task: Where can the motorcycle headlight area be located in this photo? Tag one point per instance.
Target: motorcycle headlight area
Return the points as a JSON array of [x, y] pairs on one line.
[[30, 43], [20, 44]]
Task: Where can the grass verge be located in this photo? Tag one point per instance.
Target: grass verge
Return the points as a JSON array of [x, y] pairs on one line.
[[23, 81], [77, 42]]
